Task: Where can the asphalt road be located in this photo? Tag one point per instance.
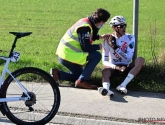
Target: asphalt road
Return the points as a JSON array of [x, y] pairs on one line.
[[88, 107]]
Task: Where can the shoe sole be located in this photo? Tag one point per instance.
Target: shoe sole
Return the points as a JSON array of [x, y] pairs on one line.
[[112, 95], [82, 87], [103, 91], [121, 92]]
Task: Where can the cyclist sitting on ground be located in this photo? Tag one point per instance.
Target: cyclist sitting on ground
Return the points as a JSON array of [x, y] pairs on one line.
[[117, 55]]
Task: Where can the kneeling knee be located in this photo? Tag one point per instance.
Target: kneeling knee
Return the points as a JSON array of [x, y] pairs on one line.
[[99, 55]]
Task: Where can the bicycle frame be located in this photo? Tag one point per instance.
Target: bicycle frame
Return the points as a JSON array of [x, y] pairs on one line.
[[6, 70]]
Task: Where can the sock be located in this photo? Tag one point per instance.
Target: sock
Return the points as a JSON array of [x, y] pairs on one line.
[[106, 85], [127, 80]]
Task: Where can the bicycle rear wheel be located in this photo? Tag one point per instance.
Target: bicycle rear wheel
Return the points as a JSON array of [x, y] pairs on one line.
[[45, 95]]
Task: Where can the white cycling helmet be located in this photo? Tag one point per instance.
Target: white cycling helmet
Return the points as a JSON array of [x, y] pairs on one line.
[[117, 20]]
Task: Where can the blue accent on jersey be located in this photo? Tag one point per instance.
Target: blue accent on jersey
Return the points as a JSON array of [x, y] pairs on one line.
[[131, 45]]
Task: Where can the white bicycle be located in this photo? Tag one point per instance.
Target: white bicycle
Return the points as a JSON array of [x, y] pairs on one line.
[[28, 96]]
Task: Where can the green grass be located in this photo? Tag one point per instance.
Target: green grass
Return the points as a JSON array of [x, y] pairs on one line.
[[48, 20]]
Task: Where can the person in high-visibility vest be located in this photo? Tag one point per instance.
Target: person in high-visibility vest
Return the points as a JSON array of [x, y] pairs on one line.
[[77, 52]]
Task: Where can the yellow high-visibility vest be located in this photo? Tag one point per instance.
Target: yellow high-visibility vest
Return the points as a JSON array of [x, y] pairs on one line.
[[69, 47]]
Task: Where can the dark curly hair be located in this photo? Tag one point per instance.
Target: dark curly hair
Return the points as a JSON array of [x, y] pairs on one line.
[[100, 15]]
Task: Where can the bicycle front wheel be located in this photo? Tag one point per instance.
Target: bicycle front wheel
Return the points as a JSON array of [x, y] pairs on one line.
[[44, 93]]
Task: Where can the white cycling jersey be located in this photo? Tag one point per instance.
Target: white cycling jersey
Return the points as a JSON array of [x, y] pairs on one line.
[[122, 55]]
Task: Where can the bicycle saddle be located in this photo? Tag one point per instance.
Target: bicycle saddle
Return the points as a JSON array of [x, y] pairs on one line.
[[21, 34]]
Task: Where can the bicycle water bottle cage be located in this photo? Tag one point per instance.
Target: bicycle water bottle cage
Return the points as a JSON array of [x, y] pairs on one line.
[[15, 56]]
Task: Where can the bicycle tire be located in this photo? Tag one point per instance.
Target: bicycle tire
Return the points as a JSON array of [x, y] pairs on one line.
[[50, 97]]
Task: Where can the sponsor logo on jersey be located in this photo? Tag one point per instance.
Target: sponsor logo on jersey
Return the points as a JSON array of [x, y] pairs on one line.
[[118, 58], [129, 37], [124, 47], [116, 55], [123, 55]]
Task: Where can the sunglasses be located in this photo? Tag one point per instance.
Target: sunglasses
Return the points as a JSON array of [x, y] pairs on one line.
[[122, 26]]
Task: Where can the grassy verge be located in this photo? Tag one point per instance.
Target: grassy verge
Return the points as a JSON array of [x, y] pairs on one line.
[[48, 20]]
